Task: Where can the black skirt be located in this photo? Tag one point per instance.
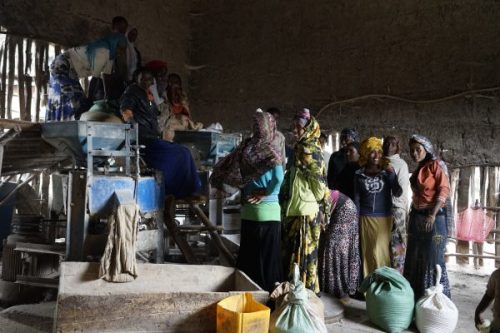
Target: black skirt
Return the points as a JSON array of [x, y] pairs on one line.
[[259, 256]]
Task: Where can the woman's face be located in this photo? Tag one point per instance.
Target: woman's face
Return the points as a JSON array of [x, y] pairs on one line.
[[298, 130], [417, 152], [374, 157], [352, 154]]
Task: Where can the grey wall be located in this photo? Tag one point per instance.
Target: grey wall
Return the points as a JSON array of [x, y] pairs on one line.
[[247, 54], [293, 54]]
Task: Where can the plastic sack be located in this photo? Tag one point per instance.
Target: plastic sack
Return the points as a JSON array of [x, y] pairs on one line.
[[435, 312], [473, 224], [295, 313], [389, 299], [242, 314]]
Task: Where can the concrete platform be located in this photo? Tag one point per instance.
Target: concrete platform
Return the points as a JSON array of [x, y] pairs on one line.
[[164, 298]]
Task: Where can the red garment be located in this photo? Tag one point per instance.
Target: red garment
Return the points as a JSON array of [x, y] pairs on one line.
[[156, 65], [474, 225], [430, 184]]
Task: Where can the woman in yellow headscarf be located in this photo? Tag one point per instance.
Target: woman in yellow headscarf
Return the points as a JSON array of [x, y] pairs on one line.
[[374, 185]]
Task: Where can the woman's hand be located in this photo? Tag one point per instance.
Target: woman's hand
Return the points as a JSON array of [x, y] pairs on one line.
[[429, 222], [257, 196]]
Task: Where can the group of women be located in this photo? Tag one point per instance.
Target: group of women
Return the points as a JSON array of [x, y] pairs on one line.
[[292, 216]]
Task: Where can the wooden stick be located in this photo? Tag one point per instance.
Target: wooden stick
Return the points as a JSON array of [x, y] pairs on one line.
[[11, 75], [470, 256], [38, 78], [215, 235], [3, 79], [20, 79], [28, 79]]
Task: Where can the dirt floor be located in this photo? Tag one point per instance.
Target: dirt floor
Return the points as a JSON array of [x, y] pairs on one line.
[[468, 286]]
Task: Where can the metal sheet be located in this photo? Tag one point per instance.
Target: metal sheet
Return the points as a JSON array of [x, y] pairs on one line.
[[103, 188]]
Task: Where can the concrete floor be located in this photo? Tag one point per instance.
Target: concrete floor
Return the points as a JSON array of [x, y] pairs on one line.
[[467, 290]]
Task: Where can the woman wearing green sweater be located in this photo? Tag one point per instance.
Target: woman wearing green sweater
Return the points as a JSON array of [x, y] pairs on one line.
[[256, 168]]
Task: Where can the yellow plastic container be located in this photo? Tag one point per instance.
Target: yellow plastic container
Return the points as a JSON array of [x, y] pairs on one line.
[[242, 314]]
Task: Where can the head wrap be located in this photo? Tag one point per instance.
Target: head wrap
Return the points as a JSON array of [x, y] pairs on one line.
[[252, 158], [367, 146], [425, 142], [302, 117], [350, 132], [356, 145], [156, 66]]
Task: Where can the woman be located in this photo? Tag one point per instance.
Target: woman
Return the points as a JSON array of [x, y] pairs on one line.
[[255, 166], [374, 185], [339, 263], [427, 229], [180, 175], [345, 182], [304, 192], [67, 99]]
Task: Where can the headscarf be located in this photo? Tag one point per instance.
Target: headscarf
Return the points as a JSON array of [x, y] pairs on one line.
[[252, 157], [425, 142], [367, 146], [350, 132], [431, 155], [156, 66], [308, 143], [302, 117]]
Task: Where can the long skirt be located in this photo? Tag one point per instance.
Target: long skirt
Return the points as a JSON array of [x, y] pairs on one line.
[[260, 252], [425, 251], [398, 240], [66, 98], [300, 246], [375, 242], [180, 175], [339, 263]]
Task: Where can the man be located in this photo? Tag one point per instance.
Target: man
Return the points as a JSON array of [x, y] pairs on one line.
[[175, 161], [338, 160], [279, 142], [392, 148]]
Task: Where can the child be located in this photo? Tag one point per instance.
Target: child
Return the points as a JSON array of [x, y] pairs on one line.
[[492, 292]]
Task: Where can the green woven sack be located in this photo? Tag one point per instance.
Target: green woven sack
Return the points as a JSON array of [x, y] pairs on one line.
[[389, 299]]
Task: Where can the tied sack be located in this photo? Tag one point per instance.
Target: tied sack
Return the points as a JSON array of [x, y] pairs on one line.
[[295, 313], [435, 312], [389, 299]]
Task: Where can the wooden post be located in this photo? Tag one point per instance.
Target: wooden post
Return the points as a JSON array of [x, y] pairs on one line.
[[492, 201], [28, 79], [11, 76], [20, 78], [4, 78], [462, 204]]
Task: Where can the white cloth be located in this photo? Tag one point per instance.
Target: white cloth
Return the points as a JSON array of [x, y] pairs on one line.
[[81, 64], [401, 169], [131, 60]]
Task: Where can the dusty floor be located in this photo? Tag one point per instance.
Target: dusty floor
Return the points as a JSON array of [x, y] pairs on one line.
[[467, 289]]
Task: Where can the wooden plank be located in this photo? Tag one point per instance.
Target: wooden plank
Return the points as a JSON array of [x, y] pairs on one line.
[[40, 248], [37, 281]]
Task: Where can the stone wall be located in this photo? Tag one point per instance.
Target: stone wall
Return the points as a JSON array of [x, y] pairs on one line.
[[293, 54]]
